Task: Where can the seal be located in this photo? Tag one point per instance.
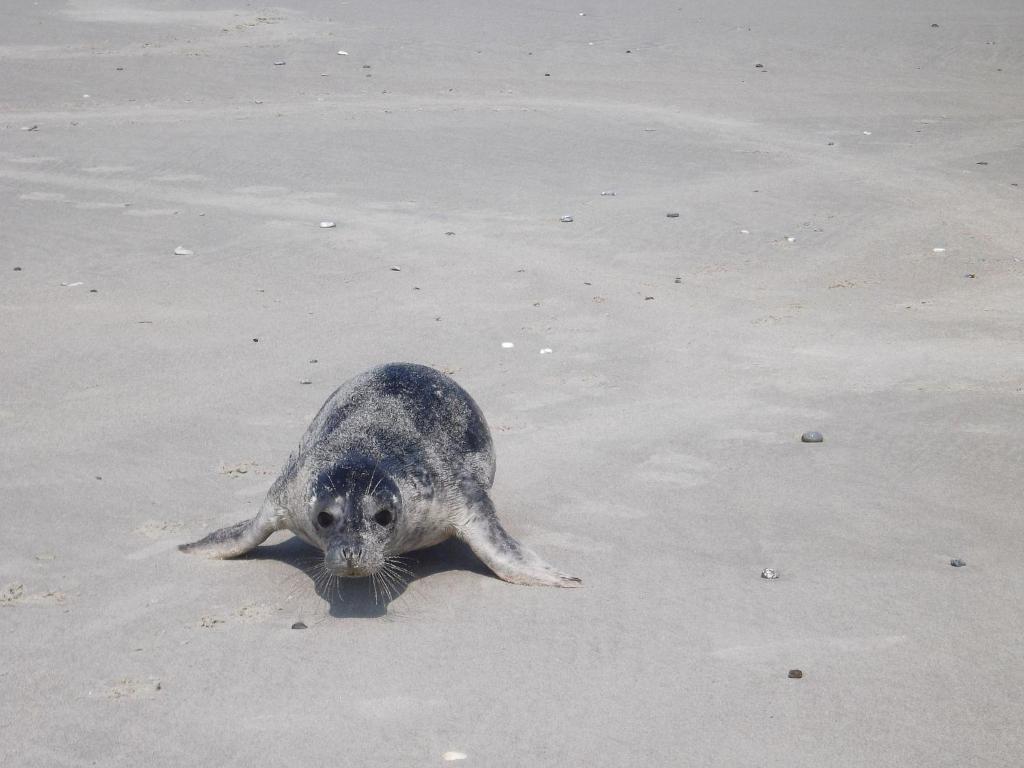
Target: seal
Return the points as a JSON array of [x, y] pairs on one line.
[[398, 458]]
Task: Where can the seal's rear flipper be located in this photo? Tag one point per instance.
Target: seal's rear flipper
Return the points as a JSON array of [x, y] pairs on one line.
[[236, 539], [509, 559]]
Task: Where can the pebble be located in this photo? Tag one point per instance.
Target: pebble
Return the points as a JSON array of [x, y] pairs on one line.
[[566, 219], [956, 562], [299, 625], [744, 231], [278, 63], [790, 239], [672, 215], [796, 674], [769, 573], [72, 285], [314, 360], [608, 193], [17, 269], [546, 351], [449, 234], [30, 127], [182, 251], [450, 756], [811, 437], [507, 345], [396, 269], [938, 250], [343, 53], [305, 381], [971, 275], [679, 281], [327, 225], [866, 133]]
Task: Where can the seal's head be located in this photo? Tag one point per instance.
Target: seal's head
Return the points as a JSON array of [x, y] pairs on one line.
[[354, 511]]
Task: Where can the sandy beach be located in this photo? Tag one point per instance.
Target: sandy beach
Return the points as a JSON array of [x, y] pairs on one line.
[[785, 216]]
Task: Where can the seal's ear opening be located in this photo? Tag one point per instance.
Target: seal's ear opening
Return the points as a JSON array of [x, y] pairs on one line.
[[383, 517]]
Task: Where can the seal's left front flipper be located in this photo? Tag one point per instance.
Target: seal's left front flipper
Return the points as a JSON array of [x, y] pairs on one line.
[[237, 539], [509, 559]]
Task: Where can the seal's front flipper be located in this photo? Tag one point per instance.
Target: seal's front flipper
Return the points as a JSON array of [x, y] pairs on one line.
[[237, 539], [509, 559]]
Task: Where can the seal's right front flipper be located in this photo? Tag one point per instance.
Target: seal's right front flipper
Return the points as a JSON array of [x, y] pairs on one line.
[[509, 559], [236, 539]]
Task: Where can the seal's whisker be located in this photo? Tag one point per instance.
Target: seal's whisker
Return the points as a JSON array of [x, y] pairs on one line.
[[373, 586]]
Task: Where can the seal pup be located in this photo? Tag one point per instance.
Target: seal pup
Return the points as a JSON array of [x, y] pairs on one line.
[[398, 458]]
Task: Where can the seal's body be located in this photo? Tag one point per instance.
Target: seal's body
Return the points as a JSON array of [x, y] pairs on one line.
[[398, 458]]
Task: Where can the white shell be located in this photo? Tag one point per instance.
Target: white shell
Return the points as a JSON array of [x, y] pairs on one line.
[[181, 250], [326, 224]]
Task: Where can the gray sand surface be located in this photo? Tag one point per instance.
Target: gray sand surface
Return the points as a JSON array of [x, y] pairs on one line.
[[655, 452]]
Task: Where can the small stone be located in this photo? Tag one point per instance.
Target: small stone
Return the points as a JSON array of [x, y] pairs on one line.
[[769, 573], [507, 345], [327, 225], [450, 756], [299, 625], [93, 290], [278, 63], [608, 193], [971, 275], [759, 66], [938, 250], [811, 437], [314, 360], [449, 234], [935, 26], [182, 251], [744, 231], [305, 381], [866, 133], [956, 562], [396, 269], [343, 53], [648, 298], [546, 351], [982, 162], [566, 219], [678, 281], [30, 127], [256, 341], [17, 269], [790, 239], [672, 215], [795, 674]]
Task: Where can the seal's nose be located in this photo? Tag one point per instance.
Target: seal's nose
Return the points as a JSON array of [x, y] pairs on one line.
[[342, 558]]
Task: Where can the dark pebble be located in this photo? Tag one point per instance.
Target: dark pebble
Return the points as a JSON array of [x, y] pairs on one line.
[[759, 66], [935, 26], [672, 215], [796, 674], [956, 562], [982, 162], [17, 269], [299, 625], [314, 360], [679, 280], [93, 290], [648, 298], [971, 275], [812, 437], [256, 341]]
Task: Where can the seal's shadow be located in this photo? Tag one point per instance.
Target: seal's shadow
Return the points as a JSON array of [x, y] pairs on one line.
[[354, 598]]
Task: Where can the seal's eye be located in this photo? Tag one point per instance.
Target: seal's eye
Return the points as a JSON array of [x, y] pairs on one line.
[[324, 519], [383, 517]]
